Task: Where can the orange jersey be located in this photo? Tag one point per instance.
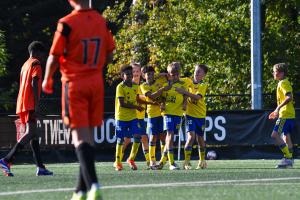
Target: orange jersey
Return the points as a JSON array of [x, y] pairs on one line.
[[30, 69], [82, 41]]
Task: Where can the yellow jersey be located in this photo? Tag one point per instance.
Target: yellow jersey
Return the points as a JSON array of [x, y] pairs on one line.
[[141, 114], [161, 80], [129, 94], [188, 81], [197, 108], [152, 110], [284, 87], [174, 100]]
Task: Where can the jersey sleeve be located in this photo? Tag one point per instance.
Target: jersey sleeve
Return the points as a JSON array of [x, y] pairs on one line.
[[139, 91], [60, 39], [36, 71], [144, 89], [286, 87], [202, 90], [120, 92]]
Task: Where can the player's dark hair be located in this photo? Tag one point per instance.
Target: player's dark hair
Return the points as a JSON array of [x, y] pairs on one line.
[[36, 46], [281, 67], [202, 66], [124, 68], [147, 69]]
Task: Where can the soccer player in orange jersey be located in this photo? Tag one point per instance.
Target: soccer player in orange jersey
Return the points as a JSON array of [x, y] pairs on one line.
[[81, 47], [28, 108]]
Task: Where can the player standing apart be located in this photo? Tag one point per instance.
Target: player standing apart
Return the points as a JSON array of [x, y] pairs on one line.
[[126, 105], [28, 108], [285, 112], [81, 47], [195, 116]]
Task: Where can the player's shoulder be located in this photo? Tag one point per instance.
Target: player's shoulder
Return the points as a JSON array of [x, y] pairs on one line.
[[181, 82], [203, 83], [144, 85], [121, 85], [66, 18], [284, 82], [35, 62]]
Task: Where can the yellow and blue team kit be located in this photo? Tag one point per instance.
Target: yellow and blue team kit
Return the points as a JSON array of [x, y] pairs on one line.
[[173, 107], [196, 109], [126, 118], [286, 120]]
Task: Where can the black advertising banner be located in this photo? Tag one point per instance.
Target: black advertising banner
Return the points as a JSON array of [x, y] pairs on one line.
[[222, 128]]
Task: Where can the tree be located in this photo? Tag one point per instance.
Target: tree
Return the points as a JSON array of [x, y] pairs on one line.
[[213, 32], [3, 54]]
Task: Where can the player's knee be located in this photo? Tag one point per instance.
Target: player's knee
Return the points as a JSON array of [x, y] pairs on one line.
[[120, 141], [144, 139], [153, 139], [127, 140], [274, 134]]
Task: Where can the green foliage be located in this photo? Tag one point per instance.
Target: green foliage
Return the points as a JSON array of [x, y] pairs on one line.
[[3, 55], [281, 41], [213, 32]]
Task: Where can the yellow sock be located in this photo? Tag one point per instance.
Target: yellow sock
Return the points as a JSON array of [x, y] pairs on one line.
[[202, 154], [134, 150], [152, 153], [187, 153], [164, 157], [146, 154], [171, 157], [285, 151], [162, 147], [119, 153]]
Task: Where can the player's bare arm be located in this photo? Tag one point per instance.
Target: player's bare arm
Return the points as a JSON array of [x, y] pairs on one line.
[[51, 67], [129, 105], [35, 87], [275, 113], [158, 93], [185, 92]]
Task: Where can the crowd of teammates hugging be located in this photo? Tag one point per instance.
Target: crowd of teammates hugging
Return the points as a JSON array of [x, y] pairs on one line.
[[166, 98]]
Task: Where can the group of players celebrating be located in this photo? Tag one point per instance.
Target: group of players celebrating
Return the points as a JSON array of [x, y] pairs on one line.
[[165, 98]]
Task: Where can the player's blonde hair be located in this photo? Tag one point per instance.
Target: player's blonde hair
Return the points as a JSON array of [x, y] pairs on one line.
[[174, 66]]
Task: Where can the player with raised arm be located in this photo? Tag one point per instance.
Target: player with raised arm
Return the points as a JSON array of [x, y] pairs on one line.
[[285, 115], [195, 116], [81, 47]]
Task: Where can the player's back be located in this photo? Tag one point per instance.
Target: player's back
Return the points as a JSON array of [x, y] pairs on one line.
[[30, 69], [88, 43]]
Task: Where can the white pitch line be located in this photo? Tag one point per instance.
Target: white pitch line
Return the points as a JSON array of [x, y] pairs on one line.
[[156, 185]]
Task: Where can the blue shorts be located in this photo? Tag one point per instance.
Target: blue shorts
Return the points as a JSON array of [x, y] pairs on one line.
[[141, 127], [126, 128], [196, 125], [284, 126], [155, 125], [172, 123]]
